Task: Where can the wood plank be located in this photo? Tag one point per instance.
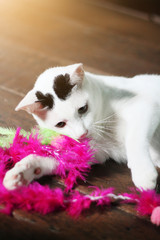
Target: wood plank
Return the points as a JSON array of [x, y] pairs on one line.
[[108, 224], [11, 228], [25, 66], [111, 174], [10, 118], [98, 37]]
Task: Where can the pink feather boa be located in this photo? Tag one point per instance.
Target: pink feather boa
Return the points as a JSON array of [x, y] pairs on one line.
[[74, 163]]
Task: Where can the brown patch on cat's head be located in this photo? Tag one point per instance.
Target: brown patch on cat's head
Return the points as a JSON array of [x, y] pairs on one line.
[[62, 86], [46, 100]]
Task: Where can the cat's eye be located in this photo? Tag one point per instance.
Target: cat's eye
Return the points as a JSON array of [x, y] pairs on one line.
[[83, 109], [61, 124]]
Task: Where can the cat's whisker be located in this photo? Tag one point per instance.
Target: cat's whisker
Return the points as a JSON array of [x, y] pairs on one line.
[[105, 123], [109, 134], [105, 127], [106, 119], [99, 133], [106, 131]]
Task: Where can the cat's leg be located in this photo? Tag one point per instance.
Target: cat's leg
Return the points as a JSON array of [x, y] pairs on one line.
[[141, 125], [28, 169], [155, 157]]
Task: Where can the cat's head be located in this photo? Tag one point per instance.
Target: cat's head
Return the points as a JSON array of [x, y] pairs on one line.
[[59, 101]]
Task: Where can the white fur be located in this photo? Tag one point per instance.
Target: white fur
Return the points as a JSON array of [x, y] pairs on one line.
[[24, 171], [123, 117]]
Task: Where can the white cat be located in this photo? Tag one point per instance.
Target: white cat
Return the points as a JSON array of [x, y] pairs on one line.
[[121, 115]]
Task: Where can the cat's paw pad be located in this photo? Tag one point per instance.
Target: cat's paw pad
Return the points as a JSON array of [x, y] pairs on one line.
[[20, 175], [14, 179], [145, 179]]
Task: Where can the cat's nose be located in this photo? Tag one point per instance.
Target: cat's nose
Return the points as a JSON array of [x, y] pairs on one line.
[[84, 135]]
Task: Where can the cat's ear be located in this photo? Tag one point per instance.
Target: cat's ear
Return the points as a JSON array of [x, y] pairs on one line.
[[29, 103], [78, 74]]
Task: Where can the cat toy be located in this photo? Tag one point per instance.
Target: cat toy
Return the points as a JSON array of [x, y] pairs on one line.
[[75, 160]]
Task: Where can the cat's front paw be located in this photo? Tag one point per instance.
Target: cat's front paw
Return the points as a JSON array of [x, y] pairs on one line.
[[145, 178], [21, 174]]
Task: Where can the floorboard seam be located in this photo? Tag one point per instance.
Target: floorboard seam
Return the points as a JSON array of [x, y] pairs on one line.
[[12, 91]]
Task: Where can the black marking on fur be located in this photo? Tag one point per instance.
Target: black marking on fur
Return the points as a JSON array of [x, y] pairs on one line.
[[45, 99], [62, 86]]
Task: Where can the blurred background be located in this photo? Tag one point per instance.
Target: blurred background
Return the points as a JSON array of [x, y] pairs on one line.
[[149, 6], [118, 37]]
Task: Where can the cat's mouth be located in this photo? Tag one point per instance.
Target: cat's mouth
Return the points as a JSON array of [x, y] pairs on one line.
[[84, 135]]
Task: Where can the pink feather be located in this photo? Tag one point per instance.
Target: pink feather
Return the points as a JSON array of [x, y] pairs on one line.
[[155, 216], [74, 163]]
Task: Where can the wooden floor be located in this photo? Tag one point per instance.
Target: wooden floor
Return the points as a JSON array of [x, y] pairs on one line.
[[37, 34]]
